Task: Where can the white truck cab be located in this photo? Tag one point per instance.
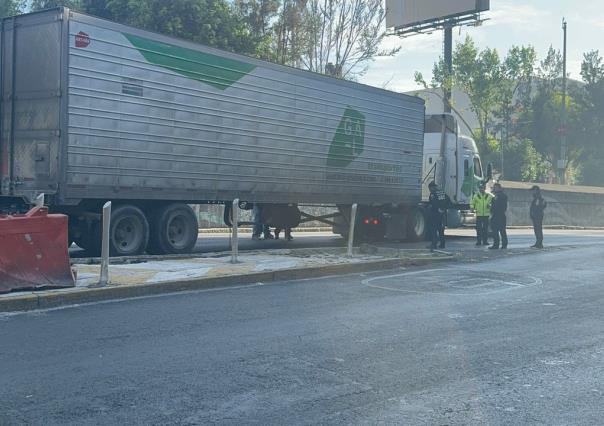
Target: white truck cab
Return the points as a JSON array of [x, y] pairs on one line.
[[453, 162]]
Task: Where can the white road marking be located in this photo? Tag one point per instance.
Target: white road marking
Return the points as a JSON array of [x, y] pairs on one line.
[[507, 284]]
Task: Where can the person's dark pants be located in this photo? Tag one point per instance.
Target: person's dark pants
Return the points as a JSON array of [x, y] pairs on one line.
[[437, 231], [258, 226], [482, 230], [499, 232], [538, 228]]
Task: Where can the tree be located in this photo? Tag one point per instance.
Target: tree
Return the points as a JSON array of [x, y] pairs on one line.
[[524, 163], [48, 4], [542, 120], [210, 22], [290, 33], [11, 7], [259, 15], [591, 104], [342, 36], [499, 91], [478, 74]]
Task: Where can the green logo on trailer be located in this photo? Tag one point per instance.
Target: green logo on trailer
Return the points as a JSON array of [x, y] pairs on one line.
[[217, 71], [349, 141]]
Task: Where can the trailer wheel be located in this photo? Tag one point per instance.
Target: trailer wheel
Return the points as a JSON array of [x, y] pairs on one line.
[[418, 224], [129, 232], [174, 230]]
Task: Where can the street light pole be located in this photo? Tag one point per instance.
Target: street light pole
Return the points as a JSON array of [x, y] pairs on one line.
[[449, 65], [562, 162]]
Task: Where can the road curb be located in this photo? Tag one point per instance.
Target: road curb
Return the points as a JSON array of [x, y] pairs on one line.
[[53, 299]]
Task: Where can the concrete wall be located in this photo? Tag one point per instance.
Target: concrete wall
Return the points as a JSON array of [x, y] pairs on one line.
[[566, 205]]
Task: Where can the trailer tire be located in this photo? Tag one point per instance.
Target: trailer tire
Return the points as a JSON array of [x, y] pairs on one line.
[[174, 230], [129, 231], [418, 224]]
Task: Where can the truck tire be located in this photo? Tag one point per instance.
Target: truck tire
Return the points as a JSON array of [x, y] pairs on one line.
[[174, 230], [129, 232], [418, 224]]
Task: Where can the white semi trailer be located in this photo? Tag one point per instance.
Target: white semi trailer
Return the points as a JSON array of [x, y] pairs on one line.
[[93, 111]]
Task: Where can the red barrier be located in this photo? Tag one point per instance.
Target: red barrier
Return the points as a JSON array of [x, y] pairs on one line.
[[34, 251]]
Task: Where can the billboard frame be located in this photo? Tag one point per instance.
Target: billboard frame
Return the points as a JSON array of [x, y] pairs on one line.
[[470, 18], [474, 19]]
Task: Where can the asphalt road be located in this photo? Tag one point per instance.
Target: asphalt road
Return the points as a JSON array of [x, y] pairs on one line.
[[218, 242], [507, 341]]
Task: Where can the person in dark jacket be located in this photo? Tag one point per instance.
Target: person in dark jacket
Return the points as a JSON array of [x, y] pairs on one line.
[[499, 207], [438, 203], [538, 206]]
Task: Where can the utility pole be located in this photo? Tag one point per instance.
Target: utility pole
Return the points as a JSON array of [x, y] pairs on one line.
[[448, 65], [562, 161]]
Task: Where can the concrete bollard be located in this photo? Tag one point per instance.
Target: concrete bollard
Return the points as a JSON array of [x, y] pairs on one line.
[[235, 232], [104, 279], [353, 219]]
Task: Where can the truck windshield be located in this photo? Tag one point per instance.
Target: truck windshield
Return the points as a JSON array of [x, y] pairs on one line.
[[434, 124]]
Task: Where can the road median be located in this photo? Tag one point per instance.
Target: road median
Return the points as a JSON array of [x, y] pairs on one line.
[[172, 276]]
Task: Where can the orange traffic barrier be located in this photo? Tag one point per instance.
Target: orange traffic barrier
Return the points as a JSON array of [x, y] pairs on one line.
[[34, 251]]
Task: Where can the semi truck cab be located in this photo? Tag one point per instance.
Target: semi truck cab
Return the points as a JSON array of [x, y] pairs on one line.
[[453, 162]]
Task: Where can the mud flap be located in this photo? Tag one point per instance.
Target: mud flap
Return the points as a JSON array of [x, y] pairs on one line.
[[34, 251]]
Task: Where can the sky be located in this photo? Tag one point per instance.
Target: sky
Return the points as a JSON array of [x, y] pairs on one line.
[[510, 22]]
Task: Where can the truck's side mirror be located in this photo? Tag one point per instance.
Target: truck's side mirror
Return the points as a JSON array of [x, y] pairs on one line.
[[489, 172]]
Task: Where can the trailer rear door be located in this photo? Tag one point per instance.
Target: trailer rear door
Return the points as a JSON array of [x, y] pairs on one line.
[[30, 111]]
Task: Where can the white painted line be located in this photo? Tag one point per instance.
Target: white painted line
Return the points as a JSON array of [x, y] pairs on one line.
[[508, 284]]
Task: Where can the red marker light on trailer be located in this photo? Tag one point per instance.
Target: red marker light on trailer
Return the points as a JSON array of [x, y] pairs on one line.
[[376, 222], [366, 221]]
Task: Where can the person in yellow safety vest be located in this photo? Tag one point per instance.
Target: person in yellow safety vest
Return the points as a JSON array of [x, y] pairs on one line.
[[481, 204]]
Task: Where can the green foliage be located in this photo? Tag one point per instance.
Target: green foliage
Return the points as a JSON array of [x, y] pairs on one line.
[[521, 104], [590, 126], [335, 37], [524, 163], [210, 22], [259, 16], [496, 87], [11, 7], [49, 4]]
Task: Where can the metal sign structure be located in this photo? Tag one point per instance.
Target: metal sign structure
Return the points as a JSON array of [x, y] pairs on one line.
[[410, 17]]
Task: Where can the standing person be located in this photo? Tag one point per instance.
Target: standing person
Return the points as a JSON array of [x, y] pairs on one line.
[[498, 219], [481, 204], [538, 205], [259, 226], [438, 203], [288, 233], [287, 216]]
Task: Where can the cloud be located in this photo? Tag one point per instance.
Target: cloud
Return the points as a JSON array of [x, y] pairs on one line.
[[421, 42], [513, 13], [594, 21]]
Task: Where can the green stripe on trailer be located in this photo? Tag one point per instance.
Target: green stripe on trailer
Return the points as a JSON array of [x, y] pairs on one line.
[[217, 71]]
